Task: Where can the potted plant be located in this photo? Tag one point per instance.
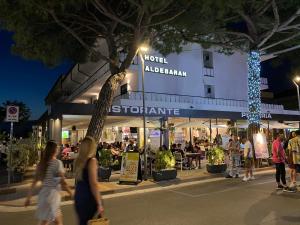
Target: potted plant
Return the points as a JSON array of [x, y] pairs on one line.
[[164, 166], [105, 162], [216, 158]]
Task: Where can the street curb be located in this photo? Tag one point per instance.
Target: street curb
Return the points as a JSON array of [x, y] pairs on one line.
[[9, 208], [6, 191]]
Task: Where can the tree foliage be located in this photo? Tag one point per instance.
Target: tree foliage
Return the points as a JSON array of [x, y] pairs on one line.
[[110, 31]]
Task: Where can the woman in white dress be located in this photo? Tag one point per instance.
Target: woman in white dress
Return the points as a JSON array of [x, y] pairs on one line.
[[50, 172]]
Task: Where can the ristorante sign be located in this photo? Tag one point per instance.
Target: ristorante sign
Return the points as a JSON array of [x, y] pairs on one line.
[[161, 69], [138, 110]]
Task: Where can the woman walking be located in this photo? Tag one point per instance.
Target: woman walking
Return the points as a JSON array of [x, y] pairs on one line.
[[51, 172], [87, 196]]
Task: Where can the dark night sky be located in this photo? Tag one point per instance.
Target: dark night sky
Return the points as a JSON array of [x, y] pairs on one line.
[[30, 81], [25, 80]]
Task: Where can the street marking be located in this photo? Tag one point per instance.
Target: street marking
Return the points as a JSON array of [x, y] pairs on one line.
[[221, 191]]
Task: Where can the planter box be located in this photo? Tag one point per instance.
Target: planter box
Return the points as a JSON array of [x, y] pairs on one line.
[[216, 168], [164, 175], [104, 173]]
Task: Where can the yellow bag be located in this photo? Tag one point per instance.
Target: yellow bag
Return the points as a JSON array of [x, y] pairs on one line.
[[100, 221]]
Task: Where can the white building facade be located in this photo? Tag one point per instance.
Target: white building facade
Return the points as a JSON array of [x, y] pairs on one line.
[[190, 89]]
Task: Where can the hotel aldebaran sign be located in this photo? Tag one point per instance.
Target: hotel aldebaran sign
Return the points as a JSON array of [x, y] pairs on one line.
[[161, 70]]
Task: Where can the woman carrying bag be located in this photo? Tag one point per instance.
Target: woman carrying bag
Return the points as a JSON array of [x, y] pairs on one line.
[[51, 172], [88, 201]]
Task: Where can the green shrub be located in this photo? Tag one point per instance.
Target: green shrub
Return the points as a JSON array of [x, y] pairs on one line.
[[164, 160], [105, 158], [216, 156], [24, 153]]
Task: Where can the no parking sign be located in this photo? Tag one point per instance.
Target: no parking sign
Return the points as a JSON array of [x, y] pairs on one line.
[[12, 113]]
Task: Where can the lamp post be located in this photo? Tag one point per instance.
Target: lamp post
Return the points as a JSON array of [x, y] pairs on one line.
[[296, 81], [140, 50]]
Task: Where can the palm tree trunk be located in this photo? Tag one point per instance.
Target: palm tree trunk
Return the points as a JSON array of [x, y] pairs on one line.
[[103, 105]]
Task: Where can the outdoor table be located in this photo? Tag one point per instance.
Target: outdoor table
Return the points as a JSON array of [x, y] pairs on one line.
[[196, 155]]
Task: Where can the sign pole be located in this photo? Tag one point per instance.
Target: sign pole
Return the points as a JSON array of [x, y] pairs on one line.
[[10, 150], [12, 115]]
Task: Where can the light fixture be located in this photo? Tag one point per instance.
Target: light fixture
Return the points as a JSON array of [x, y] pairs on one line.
[[297, 79], [144, 48]]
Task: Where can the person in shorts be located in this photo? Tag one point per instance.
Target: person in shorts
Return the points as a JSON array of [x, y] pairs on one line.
[[293, 149], [249, 159]]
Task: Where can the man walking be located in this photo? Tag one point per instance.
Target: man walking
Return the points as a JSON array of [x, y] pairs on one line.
[[249, 159], [278, 156]]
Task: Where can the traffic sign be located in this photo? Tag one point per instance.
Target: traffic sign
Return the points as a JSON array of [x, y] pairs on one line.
[[12, 113]]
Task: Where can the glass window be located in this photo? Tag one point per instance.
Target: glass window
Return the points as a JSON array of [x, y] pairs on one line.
[[124, 89], [209, 91], [208, 59]]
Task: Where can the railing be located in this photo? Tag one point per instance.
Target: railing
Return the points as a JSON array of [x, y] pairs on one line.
[[193, 100]]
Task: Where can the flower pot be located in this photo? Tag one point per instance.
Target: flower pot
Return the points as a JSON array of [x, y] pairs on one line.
[[104, 173], [164, 174], [216, 168]]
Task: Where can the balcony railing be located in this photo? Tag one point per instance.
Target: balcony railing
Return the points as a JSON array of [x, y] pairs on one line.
[[193, 100]]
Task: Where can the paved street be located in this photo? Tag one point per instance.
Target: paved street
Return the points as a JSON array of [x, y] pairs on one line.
[[216, 203]]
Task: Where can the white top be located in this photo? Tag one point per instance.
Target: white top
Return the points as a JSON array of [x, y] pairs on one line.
[[248, 150], [52, 178]]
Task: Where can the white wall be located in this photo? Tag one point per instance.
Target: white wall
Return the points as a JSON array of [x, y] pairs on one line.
[[230, 74]]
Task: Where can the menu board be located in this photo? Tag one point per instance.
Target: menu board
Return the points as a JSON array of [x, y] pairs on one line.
[[260, 146], [129, 167]]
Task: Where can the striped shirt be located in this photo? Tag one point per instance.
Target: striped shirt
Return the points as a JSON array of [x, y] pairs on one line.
[[52, 178]]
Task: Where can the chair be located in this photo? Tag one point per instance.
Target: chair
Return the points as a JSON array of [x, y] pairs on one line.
[[179, 159]]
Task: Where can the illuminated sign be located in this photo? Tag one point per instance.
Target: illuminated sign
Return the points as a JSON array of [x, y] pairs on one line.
[[161, 70], [123, 109], [65, 134], [262, 115]]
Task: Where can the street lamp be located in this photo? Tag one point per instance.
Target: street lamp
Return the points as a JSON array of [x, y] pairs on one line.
[[296, 81], [143, 49]]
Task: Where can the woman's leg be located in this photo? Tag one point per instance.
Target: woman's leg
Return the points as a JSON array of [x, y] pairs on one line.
[[58, 220], [43, 222]]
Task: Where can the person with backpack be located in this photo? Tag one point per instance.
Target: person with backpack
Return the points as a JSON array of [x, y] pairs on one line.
[[278, 156]]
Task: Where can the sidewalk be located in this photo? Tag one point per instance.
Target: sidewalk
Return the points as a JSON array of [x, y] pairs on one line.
[[112, 187]]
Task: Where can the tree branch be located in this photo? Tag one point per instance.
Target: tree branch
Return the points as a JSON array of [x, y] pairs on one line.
[[250, 24], [166, 20], [111, 16], [70, 31], [291, 19], [280, 42], [285, 50], [239, 34], [276, 25], [264, 8]]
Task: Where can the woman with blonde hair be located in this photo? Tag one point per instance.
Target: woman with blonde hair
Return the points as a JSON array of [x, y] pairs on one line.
[[87, 196], [51, 172]]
